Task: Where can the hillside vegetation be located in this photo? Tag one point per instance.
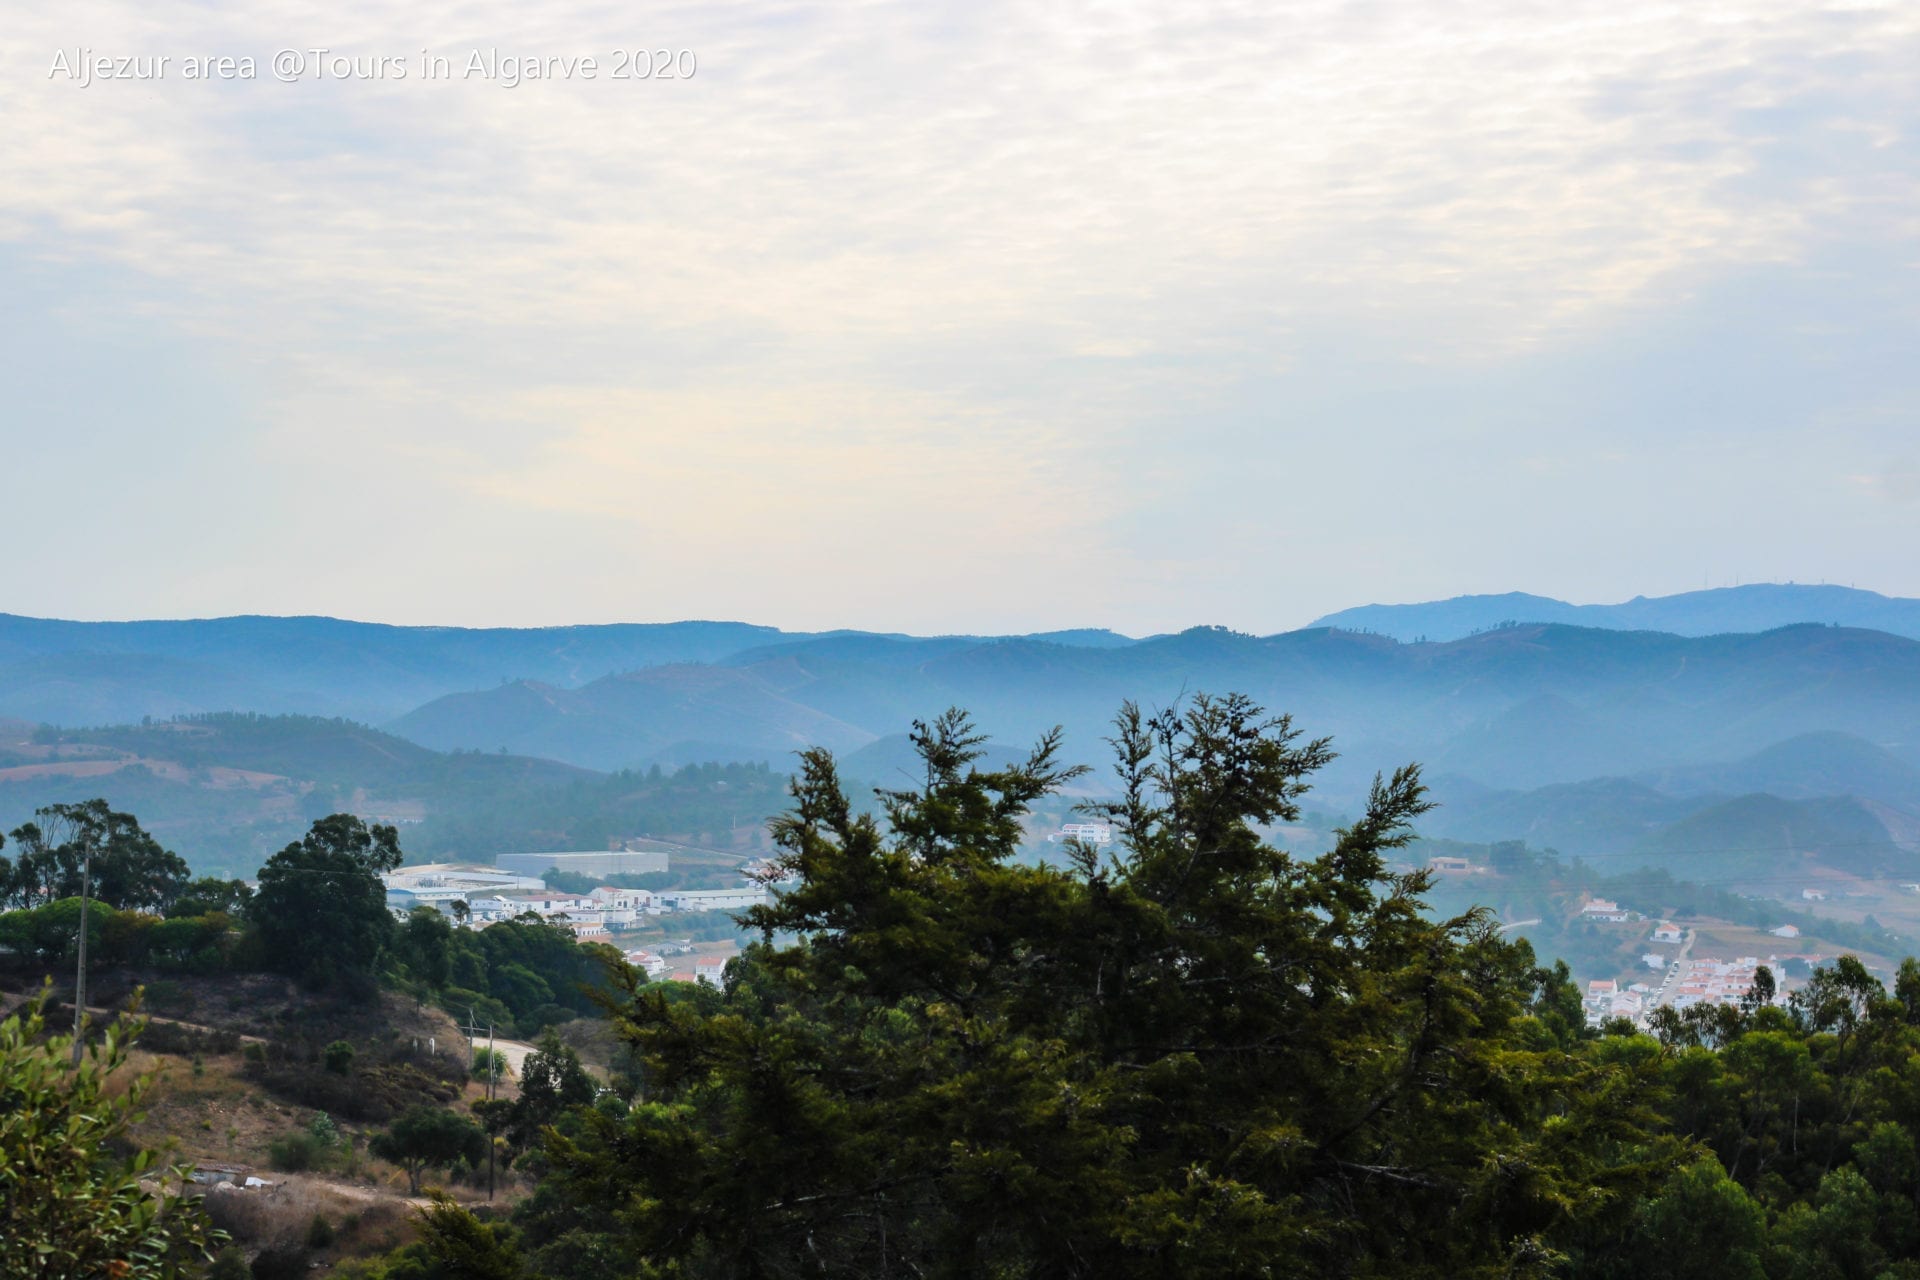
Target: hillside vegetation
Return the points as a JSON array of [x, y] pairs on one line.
[[229, 789]]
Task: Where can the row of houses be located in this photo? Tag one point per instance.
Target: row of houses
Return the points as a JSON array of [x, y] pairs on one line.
[[1713, 982], [1694, 982], [1605, 999]]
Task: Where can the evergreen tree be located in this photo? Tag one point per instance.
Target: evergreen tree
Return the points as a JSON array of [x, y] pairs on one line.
[[1196, 1055], [321, 909]]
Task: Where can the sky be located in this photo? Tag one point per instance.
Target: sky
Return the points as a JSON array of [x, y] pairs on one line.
[[939, 316]]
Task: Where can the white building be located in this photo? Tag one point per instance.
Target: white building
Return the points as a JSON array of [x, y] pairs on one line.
[[442, 884], [654, 966], [714, 899]]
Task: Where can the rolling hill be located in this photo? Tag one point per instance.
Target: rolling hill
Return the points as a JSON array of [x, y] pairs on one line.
[[81, 673], [1513, 709]]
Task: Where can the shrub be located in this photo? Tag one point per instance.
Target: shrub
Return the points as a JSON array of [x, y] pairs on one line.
[[297, 1152], [255, 1052], [338, 1057], [482, 1057], [70, 1172], [319, 1232], [324, 1131]]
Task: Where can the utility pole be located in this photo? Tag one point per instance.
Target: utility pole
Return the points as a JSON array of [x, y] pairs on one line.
[[493, 1073], [80, 974]]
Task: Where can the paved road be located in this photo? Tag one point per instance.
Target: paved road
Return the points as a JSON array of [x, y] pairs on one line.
[[514, 1051], [1674, 969]]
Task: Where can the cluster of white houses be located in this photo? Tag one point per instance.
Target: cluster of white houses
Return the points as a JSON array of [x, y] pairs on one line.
[[479, 896]]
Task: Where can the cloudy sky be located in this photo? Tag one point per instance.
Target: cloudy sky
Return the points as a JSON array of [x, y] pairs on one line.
[[957, 316]]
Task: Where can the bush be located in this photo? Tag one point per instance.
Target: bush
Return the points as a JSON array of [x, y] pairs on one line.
[[255, 1052], [338, 1057], [319, 1232], [324, 1131], [70, 1170], [297, 1152], [482, 1057]]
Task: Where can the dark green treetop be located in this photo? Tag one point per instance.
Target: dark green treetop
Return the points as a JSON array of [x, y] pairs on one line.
[[321, 908], [1196, 1055], [128, 867]]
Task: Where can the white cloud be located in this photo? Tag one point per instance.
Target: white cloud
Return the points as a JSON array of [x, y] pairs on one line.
[[937, 257]]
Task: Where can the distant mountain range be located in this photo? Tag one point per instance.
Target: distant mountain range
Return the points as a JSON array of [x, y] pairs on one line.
[[1522, 707], [1611, 741], [94, 673], [1757, 607]]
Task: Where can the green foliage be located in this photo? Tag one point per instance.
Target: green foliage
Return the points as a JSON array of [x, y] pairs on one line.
[[318, 1146], [210, 894], [429, 1137], [490, 1062], [298, 1152], [338, 1057], [516, 974], [324, 1130], [1702, 1224], [71, 1203], [552, 1081], [424, 948], [47, 934], [321, 909], [125, 867], [1196, 1055]]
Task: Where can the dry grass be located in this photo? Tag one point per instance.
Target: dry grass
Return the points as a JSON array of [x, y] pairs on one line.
[[280, 1217]]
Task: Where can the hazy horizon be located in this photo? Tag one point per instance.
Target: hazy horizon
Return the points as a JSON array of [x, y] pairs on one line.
[[882, 628]]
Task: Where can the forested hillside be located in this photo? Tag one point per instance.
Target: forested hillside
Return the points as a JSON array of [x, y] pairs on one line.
[[229, 789]]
